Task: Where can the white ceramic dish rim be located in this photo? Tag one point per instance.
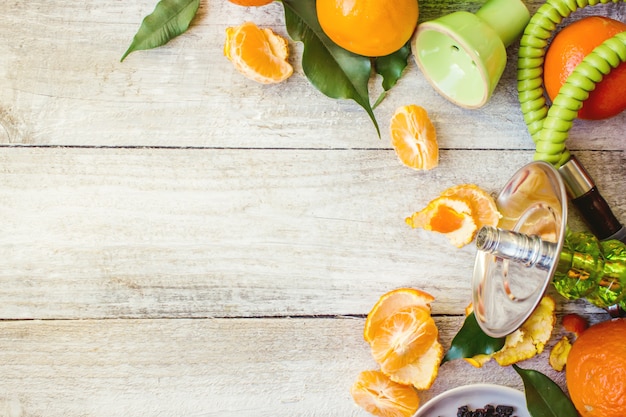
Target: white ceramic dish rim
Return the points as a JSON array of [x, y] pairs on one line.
[[485, 394]]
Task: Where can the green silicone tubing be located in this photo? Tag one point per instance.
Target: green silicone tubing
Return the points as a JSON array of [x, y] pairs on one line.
[[549, 126]]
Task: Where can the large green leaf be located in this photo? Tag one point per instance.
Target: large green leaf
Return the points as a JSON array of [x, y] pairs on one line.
[[169, 19], [471, 341], [390, 67], [335, 72], [544, 398]]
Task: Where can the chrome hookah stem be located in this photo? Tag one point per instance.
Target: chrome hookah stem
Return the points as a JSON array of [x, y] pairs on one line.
[[528, 250]]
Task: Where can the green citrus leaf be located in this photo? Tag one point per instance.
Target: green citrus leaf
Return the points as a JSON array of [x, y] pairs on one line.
[[169, 19], [544, 398], [471, 341], [335, 72], [390, 67]]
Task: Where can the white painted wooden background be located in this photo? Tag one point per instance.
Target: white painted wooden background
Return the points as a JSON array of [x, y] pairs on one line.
[[179, 241]]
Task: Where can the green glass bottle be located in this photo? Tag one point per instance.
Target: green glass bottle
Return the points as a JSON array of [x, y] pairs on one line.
[[592, 269]]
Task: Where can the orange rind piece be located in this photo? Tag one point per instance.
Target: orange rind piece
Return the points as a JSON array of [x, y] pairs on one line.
[[449, 216], [483, 206], [559, 354], [258, 54], [458, 213], [527, 341]]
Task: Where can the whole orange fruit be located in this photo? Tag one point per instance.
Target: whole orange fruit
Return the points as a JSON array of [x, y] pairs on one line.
[[569, 47], [255, 3], [368, 27], [596, 370]]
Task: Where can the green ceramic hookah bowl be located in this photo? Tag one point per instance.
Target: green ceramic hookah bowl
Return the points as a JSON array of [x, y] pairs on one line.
[[463, 55]]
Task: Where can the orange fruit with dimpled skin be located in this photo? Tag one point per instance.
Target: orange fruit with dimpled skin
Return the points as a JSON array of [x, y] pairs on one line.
[[368, 27], [596, 370], [569, 47]]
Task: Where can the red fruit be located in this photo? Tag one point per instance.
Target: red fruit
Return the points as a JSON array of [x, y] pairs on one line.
[[575, 324]]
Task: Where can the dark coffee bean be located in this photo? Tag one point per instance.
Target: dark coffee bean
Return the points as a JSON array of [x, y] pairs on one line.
[[505, 410], [487, 411]]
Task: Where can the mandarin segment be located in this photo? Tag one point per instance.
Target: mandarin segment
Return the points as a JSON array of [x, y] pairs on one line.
[[414, 138], [258, 54], [377, 394]]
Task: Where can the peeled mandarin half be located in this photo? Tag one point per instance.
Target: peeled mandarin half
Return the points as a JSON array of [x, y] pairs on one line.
[[377, 394], [449, 216], [403, 337], [414, 138], [392, 302], [258, 54]]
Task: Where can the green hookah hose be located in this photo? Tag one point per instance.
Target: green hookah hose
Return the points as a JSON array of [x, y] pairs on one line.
[[549, 127]]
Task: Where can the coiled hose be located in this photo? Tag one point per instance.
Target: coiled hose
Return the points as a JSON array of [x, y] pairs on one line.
[[549, 127]]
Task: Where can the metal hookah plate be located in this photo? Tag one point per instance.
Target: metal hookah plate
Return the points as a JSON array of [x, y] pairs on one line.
[[507, 289]]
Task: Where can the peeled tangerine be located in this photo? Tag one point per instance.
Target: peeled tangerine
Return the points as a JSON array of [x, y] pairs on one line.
[[403, 339], [527, 341]]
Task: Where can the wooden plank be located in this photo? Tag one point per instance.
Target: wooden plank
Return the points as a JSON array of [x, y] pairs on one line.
[[90, 233], [74, 90], [210, 367]]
